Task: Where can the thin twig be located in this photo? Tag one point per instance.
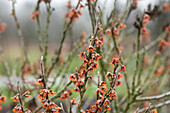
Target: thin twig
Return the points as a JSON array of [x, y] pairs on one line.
[[148, 108], [39, 27], [167, 94], [20, 98], [155, 106], [19, 32], [48, 8]]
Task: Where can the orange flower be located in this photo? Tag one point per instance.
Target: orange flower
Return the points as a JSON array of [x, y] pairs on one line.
[[98, 91], [155, 111], [118, 83], [26, 94], [2, 99], [112, 94], [108, 31], [90, 111], [108, 75], [100, 29], [66, 94], [85, 62], [164, 44], [32, 18], [79, 83], [95, 57], [106, 108], [122, 68], [99, 43], [17, 109], [115, 60], [46, 105], [107, 102], [120, 75], [76, 89], [73, 102], [2, 27], [36, 14], [83, 54], [94, 65], [40, 82], [143, 30], [16, 98], [90, 69], [121, 26], [159, 71], [146, 17], [115, 33], [72, 77], [51, 92], [91, 48], [83, 34]]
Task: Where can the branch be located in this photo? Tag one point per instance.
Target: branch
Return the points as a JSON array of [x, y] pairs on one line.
[[61, 45], [49, 11], [42, 72], [19, 31], [155, 106], [20, 98], [154, 97], [153, 43]]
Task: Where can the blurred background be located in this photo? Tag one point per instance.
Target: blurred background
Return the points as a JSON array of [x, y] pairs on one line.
[[9, 39]]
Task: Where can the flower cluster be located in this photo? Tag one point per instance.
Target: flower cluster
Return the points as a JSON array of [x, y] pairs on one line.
[[73, 102], [163, 44], [115, 30], [44, 93], [40, 82], [35, 15], [66, 94], [2, 99], [47, 103], [16, 98], [159, 71], [145, 32], [74, 13], [17, 109], [101, 91], [102, 98], [105, 97], [140, 24], [88, 65]]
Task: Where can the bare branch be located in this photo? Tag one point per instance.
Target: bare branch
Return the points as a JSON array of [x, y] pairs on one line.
[[155, 106], [154, 97]]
